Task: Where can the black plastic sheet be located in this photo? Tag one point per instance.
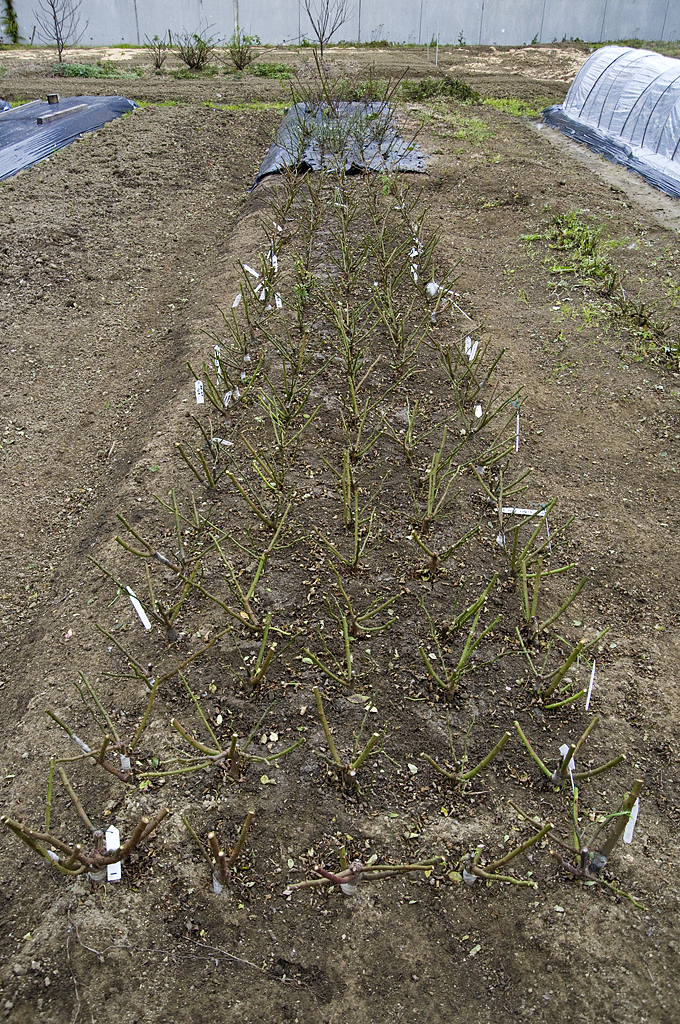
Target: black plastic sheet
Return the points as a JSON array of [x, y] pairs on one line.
[[373, 141], [24, 142], [617, 152]]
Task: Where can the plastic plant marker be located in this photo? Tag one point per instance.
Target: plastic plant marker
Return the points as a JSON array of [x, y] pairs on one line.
[[198, 388], [138, 608], [630, 827], [237, 301], [112, 836], [471, 348], [564, 749], [590, 687], [253, 273], [512, 511]]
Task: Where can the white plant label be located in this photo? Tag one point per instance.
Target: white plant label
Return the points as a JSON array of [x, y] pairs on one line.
[[630, 827], [517, 435], [138, 608], [512, 511], [479, 412], [471, 348], [253, 273], [125, 763], [590, 687], [112, 836], [237, 301], [564, 750], [198, 388], [277, 300]]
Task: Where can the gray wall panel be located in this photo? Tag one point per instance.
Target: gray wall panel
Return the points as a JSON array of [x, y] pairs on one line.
[[486, 21]]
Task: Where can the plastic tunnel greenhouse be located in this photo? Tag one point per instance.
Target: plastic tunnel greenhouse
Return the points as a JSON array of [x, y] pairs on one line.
[[625, 104]]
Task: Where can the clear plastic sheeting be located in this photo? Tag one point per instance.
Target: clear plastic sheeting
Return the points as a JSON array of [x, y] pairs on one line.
[[24, 141], [351, 136], [625, 104]]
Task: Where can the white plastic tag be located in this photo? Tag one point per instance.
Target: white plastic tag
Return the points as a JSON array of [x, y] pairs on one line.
[[510, 510], [590, 687], [125, 763], [471, 348], [198, 388], [277, 300], [237, 301], [138, 608], [112, 836], [630, 827], [564, 750], [253, 273]]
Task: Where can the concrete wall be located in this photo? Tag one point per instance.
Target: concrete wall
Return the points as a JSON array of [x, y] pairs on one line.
[[508, 22]]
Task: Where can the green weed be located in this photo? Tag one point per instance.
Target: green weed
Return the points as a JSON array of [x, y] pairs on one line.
[[280, 71], [433, 88], [102, 69], [521, 108]]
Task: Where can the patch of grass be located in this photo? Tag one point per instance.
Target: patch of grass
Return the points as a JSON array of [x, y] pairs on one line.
[[669, 49], [433, 88], [520, 108], [583, 243], [263, 70], [102, 69], [449, 125], [373, 44]]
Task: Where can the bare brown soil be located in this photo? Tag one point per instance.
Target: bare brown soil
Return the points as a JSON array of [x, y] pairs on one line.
[[117, 255]]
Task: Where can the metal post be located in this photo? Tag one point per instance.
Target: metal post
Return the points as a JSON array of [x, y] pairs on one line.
[[604, 15], [481, 22], [540, 34], [420, 23], [664, 19], [236, 24], [359, 31]]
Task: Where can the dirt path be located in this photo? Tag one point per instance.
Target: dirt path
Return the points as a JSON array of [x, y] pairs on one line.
[[117, 255]]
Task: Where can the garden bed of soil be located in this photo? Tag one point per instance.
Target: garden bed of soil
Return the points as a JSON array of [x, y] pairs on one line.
[[120, 257]]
